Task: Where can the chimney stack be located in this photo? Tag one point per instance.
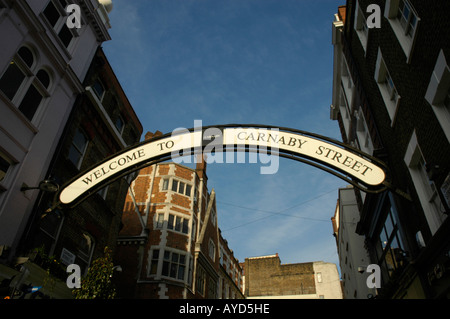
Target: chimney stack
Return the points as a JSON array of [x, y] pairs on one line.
[[201, 166]]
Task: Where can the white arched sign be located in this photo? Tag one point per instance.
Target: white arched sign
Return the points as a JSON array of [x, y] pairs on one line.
[[357, 168]]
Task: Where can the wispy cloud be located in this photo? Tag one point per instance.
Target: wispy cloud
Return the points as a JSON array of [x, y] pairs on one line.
[[253, 61]]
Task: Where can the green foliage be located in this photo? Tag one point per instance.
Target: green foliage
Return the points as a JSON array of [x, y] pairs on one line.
[[49, 263], [97, 282]]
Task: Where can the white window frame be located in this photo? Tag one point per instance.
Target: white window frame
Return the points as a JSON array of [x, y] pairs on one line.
[[165, 184], [159, 221], [82, 152], [172, 262], [30, 80], [360, 26], [438, 89], [121, 129], [56, 29], [426, 190], [347, 92], [363, 134], [200, 281], [156, 265], [212, 250], [389, 93], [183, 221], [213, 217], [406, 42], [180, 188], [99, 95]]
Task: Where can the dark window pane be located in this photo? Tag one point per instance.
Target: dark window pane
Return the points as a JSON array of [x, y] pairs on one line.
[[44, 78], [98, 89], [63, 3], [30, 102], [181, 190], [26, 55], [175, 185], [119, 124], [50, 224], [173, 271], [185, 226], [74, 155], [51, 13], [78, 147], [153, 267], [80, 141], [11, 80], [4, 166], [181, 272], [188, 190], [167, 255], [165, 270], [170, 223], [65, 35]]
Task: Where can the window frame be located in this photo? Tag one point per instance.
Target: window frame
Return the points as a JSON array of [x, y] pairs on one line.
[[60, 25], [390, 249], [425, 189], [200, 281], [122, 127], [389, 93], [177, 223], [212, 250], [81, 152], [438, 92], [99, 95], [168, 262], [362, 133], [176, 185], [31, 81], [391, 13], [360, 26]]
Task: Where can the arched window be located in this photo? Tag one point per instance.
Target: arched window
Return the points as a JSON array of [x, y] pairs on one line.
[[44, 77], [27, 56], [22, 86]]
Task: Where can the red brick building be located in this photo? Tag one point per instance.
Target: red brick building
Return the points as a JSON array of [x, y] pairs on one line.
[[169, 246]]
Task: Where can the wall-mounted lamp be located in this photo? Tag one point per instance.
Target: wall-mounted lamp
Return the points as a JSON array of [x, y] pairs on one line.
[[45, 186]]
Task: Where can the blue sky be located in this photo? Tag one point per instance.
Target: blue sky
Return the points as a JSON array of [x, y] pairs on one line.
[[240, 61]]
